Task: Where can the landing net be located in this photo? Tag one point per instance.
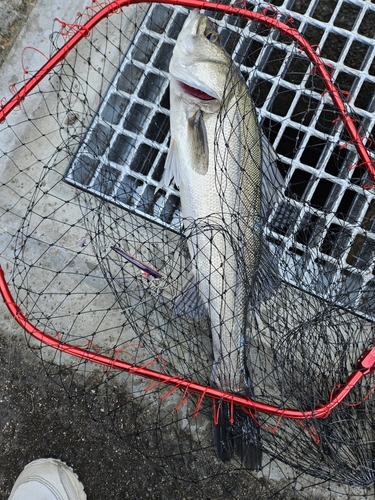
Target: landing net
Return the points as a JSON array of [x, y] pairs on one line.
[[96, 256]]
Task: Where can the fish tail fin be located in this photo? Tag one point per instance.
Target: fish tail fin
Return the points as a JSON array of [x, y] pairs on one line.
[[247, 440], [234, 430], [222, 431]]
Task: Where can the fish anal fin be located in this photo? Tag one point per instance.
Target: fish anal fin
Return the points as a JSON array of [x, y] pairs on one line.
[[189, 301], [266, 279], [273, 182]]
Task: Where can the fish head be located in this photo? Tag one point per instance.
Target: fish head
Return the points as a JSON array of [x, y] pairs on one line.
[[200, 65]]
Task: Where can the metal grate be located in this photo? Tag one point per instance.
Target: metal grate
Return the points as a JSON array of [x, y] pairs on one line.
[[326, 218], [123, 154]]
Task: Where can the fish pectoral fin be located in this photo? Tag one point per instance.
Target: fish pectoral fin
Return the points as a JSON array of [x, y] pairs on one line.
[[189, 301], [172, 167], [199, 146]]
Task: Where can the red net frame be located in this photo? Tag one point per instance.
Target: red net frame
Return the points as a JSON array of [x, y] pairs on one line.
[[364, 366]]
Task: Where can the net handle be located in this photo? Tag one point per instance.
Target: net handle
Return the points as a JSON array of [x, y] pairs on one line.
[[270, 22], [365, 366]]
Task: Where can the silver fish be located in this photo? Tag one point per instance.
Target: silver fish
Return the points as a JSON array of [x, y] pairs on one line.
[[215, 157]]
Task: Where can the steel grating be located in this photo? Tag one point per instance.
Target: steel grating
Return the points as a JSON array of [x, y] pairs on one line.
[[123, 154]]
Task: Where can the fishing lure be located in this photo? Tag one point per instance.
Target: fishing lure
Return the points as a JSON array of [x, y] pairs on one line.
[[149, 271]]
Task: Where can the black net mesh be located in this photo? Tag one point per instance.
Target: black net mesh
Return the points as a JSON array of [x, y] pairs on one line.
[[102, 257]]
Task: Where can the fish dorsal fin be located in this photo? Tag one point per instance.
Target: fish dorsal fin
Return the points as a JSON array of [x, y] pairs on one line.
[[266, 279], [199, 148], [189, 301], [172, 167], [272, 180]]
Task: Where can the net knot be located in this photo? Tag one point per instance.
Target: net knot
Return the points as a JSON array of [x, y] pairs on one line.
[[69, 29], [271, 11]]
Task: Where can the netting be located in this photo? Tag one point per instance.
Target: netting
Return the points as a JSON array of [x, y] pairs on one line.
[[241, 285]]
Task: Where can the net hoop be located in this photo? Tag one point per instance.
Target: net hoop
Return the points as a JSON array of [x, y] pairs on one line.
[[366, 363], [365, 366]]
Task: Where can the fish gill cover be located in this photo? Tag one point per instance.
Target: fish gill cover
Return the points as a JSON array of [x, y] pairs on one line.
[[252, 274]]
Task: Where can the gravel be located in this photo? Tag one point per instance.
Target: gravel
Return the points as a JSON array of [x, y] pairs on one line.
[[39, 419]]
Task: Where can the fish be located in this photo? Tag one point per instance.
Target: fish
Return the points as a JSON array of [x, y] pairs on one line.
[[216, 160]]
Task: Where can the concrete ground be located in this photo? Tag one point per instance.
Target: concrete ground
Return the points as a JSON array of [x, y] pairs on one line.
[[39, 418]]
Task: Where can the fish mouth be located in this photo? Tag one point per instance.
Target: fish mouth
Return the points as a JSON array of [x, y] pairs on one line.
[[197, 93]]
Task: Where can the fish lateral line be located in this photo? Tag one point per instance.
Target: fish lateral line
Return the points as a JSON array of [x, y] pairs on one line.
[[149, 271]]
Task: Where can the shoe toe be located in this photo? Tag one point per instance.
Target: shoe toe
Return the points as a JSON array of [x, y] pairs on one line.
[[47, 479]]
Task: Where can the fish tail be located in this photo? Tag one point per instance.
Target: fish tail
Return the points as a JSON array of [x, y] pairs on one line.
[[234, 430], [247, 440], [248, 433], [222, 431]]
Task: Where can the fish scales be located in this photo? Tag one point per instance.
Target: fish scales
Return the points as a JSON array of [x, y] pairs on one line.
[[223, 206]]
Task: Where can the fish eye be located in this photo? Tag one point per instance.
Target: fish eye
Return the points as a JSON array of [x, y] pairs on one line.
[[212, 36]]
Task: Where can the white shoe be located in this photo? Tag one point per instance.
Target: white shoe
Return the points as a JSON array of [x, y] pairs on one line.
[[47, 479]]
